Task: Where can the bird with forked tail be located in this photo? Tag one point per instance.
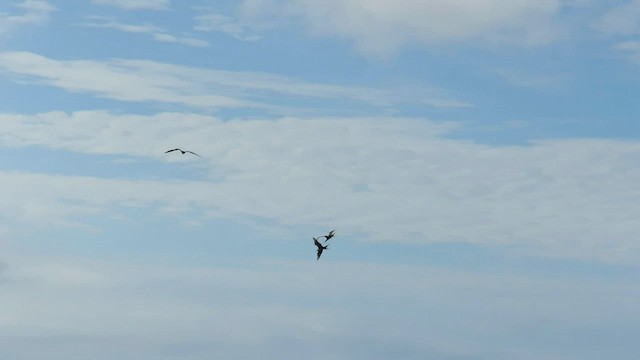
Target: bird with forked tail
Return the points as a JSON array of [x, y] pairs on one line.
[[329, 235], [320, 247]]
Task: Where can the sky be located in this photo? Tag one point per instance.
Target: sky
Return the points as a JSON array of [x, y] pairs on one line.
[[479, 160]]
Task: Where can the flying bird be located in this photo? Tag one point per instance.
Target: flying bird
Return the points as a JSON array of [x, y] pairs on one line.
[[182, 151], [329, 236], [320, 247]]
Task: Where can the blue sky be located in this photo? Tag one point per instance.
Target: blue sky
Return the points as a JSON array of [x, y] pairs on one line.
[[480, 160]]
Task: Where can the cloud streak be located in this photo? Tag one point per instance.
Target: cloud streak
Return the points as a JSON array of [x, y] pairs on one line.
[[135, 4], [631, 49], [149, 81], [164, 312], [155, 32], [35, 13], [221, 23], [381, 27], [392, 179], [621, 20], [519, 78]]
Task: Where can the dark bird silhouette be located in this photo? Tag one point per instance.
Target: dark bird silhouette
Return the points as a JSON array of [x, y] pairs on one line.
[[183, 152], [329, 235], [320, 247]]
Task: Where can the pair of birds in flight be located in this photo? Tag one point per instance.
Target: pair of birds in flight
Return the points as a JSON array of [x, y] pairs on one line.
[[321, 248], [319, 245]]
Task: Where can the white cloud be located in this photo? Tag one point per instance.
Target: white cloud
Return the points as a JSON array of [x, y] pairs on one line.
[[35, 13], [101, 310], [631, 46], [226, 24], [528, 80], [631, 49], [381, 27], [180, 40], [117, 79], [135, 4], [621, 20], [37, 6], [156, 33], [142, 81], [391, 179]]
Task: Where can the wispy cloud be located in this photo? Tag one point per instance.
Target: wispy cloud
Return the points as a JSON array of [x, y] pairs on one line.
[[35, 12], [135, 4], [164, 37], [520, 78], [630, 48], [621, 20], [622, 24], [225, 24], [157, 33], [562, 198], [382, 27], [125, 80], [142, 80], [283, 309]]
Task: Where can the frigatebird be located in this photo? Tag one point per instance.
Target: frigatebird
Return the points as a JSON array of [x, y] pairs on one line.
[[329, 236], [320, 247], [183, 152]]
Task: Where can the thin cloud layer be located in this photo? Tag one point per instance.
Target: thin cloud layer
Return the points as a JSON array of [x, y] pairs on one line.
[[630, 49], [135, 4], [155, 32], [621, 20], [462, 245], [382, 27], [34, 12], [212, 21], [150, 81], [518, 78], [392, 179], [286, 308]]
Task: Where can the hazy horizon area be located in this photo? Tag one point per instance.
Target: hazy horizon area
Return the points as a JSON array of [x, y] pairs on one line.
[[479, 161]]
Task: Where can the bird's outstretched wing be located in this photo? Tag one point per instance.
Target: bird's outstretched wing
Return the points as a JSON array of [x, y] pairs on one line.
[[168, 151], [320, 247], [192, 153], [329, 236]]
